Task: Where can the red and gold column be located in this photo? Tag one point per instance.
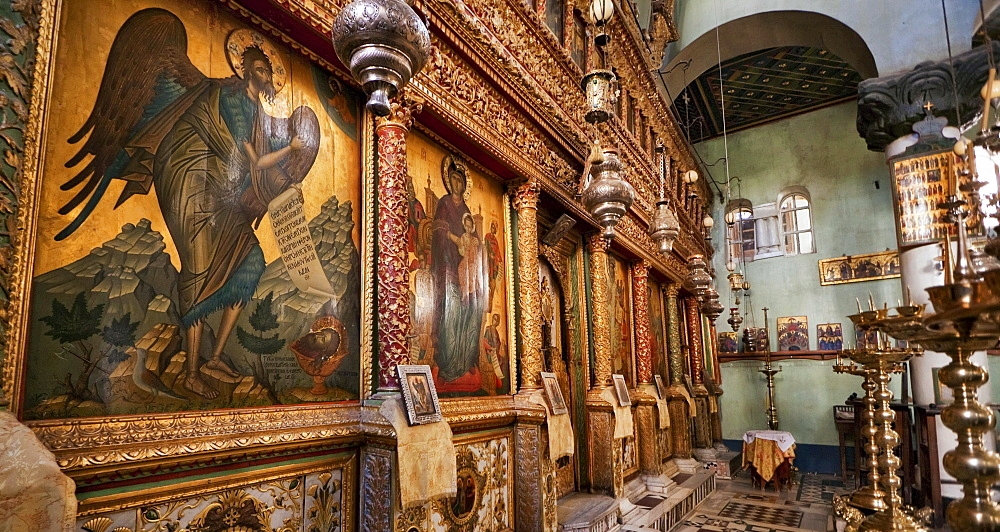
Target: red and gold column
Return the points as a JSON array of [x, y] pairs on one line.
[[640, 298], [696, 357], [393, 274], [645, 395], [525, 196]]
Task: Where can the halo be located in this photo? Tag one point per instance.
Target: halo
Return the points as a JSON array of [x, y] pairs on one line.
[[241, 39], [447, 162]]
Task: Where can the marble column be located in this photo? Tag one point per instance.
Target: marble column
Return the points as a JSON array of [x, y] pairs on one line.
[[680, 420], [645, 395], [393, 273], [525, 199]]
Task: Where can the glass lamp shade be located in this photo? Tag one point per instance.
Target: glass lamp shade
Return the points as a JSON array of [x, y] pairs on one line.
[[708, 222], [665, 228], [600, 92], [608, 195], [730, 218], [690, 176], [698, 279], [601, 11]]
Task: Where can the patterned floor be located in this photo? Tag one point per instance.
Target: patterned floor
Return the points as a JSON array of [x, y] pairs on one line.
[[737, 506]]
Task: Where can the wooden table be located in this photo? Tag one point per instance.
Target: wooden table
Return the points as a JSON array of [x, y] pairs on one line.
[[769, 455]]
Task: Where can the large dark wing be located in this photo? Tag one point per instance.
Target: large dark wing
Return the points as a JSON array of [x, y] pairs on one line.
[[147, 69]]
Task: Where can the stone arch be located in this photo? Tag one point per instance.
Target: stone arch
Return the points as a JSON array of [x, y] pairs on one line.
[[765, 30]]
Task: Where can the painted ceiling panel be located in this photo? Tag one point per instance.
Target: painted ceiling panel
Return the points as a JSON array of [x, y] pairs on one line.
[[763, 86]]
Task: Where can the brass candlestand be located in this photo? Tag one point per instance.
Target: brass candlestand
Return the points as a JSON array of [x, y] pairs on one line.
[[966, 319], [878, 361], [770, 372]]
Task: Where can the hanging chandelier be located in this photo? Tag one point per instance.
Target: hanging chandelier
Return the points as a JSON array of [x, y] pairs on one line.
[[711, 307], [664, 228]]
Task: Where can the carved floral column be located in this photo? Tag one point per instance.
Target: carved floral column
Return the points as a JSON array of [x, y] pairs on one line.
[[645, 396], [393, 273], [696, 357], [599, 275], [605, 457], [525, 196], [680, 421]]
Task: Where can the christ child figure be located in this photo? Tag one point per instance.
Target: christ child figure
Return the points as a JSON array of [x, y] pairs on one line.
[[470, 268]]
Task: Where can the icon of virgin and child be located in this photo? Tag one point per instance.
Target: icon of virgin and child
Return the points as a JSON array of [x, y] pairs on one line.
[[213, 155], [457, 271]]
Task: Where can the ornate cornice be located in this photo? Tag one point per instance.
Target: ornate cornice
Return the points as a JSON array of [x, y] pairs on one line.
[[889, 106]]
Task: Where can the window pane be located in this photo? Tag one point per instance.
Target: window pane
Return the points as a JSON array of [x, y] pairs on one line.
[[788, 221], [787, 203], [806, 242], [802, 219], [790, 244], [801, 201]]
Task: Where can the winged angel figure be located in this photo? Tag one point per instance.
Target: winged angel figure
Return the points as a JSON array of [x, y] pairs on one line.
[[214, 156]]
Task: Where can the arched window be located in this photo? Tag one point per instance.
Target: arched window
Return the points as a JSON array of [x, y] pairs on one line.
[[796, 222], [740, 226]]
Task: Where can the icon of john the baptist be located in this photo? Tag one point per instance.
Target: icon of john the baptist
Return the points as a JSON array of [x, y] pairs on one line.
[[214, 157]]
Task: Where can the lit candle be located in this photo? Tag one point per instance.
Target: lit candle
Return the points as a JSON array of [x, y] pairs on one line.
[[871, 301], [859, 304]]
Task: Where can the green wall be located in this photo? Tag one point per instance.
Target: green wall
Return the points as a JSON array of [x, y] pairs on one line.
[[822, 152]]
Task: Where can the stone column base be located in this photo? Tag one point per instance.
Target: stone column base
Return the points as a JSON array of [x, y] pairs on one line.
[[687, 466]]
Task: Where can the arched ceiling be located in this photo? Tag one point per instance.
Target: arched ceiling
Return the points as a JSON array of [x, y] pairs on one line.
[[774, 65]]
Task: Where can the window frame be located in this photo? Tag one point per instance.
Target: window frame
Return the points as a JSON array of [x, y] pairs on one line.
[[796, 232]]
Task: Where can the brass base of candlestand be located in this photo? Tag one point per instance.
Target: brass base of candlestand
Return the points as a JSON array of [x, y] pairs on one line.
[[868, 497], [894, 520]]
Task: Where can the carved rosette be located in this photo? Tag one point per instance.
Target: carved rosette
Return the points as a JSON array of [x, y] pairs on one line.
[[525, 199], [597, 245], [674, 336], [693, 323], [640, 299], [393, 268]]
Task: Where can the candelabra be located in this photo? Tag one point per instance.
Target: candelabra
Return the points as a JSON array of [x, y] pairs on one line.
[[770, 372], [876, 361]]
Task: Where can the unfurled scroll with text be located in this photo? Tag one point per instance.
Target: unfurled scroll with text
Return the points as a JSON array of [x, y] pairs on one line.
[[298, 251]]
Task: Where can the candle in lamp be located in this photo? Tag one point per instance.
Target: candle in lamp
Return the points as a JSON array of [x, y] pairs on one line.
[[859, 304]]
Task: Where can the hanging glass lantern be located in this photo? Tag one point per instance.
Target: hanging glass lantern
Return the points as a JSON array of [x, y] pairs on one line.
[[711, 307], [735, 319], [698, 279], [384, 43], [607, 195], [600, 88], [665, 227]]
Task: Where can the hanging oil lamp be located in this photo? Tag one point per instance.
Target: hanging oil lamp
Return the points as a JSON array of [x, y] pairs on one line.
[[698, 279], [384, 43], [735, 319], [607, 196], [664, 228], [711, 307]]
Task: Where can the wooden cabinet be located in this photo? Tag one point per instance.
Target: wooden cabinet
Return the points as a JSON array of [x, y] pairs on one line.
[[929, 493]]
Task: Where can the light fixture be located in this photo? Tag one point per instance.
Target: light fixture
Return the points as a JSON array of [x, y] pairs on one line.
[[384, 43], [731, 218], [735, 280], [730, 265], [735, 319], [690, 177], [664, 228], [601, 12], [600, 88], [698, 279], [711, 307], [708, 222], [607, 196]]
